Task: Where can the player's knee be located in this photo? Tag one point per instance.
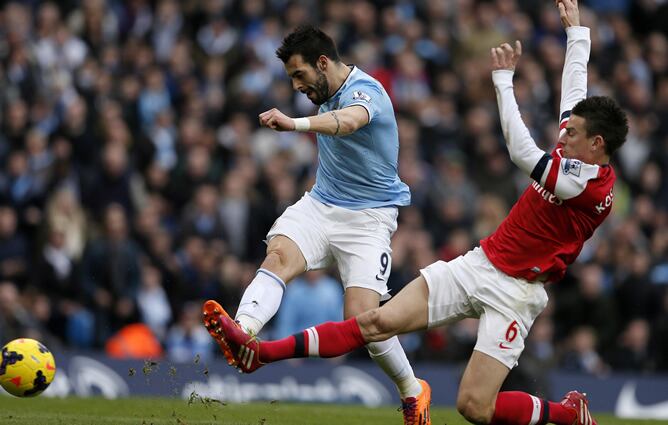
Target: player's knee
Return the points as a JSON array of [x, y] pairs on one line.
[[278, 258], [283, 258], [275, 258], [473, 409], [376, 325]]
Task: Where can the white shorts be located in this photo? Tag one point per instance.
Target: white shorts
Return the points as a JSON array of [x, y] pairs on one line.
[[470, 286], [358, 240]]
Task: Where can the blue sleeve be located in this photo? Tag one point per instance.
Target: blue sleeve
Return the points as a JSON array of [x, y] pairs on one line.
[[363, 93]]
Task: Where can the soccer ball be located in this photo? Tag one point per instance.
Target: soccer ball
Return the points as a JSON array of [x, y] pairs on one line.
[[27, 367]]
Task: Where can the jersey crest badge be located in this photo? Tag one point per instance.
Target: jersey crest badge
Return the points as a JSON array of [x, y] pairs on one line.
[[571, 166], [359, 95]]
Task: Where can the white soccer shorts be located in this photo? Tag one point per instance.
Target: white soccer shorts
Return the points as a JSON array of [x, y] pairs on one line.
[[470, 286], [358, 240]]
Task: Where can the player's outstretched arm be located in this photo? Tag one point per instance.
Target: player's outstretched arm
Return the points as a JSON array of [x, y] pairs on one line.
[[521, 146], [340, 122], [574, 75]]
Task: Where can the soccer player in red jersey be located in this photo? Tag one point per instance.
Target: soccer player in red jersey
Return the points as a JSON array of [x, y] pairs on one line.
[[500, 282]]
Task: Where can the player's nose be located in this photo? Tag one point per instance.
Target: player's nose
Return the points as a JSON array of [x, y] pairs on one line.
[[562, 140]]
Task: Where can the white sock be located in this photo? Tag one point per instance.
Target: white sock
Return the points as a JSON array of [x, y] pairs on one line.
[[390, 356], [260, 301]]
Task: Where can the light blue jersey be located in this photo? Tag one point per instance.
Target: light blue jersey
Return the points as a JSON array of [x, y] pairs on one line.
[[359, 170]]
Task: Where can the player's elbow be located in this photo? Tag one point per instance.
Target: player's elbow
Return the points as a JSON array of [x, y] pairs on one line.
[[515, 155], [522, 161]]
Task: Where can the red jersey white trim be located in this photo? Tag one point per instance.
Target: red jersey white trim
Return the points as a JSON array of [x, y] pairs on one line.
[[567, 178], [569, 199], [544, 232]]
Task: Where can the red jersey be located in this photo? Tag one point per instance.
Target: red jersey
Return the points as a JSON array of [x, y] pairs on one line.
[[548, 225], [568, 199]]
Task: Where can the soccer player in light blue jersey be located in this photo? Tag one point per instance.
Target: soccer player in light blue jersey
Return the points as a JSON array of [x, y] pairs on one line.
[[351, 212]]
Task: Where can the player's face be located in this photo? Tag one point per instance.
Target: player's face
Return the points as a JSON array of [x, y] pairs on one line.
[[574, 142], [307, 79]]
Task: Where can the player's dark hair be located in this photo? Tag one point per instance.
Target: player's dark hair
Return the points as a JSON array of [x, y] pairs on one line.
[[604, 117], [310, 42]]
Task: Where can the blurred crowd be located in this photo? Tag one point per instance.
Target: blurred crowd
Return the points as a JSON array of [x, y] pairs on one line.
[[135, 181]]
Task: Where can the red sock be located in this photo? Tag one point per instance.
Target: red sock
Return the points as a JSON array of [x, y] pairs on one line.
[[518, 408], [271, 351], [329, 339]]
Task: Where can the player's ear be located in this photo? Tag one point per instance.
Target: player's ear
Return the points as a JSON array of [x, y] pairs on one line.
[[322, 63], [598, 143]]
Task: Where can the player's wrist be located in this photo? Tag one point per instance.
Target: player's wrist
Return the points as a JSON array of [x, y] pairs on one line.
[[503, 75], [577, 31], [302, 124]]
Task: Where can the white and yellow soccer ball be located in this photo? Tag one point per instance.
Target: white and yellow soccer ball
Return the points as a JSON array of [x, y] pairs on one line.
[[27, 367]]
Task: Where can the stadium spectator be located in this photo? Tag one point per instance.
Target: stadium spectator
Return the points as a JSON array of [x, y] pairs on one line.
[[581, 354], [64, 212], [117, 179], [588, 305], [15, 319], [201, 217], [152, 302], [14, 248], [187, 339], [56, 275], [632, 353], [110, 275]]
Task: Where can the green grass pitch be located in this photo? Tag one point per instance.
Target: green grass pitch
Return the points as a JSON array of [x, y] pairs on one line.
[[146, 411]]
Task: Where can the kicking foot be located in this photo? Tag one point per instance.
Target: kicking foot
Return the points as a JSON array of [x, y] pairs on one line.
[[241, 349]]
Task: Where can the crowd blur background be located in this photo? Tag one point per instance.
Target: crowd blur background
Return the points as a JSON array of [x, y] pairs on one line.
[[135, 181]]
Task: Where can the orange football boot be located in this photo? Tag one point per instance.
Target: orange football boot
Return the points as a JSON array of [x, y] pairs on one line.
[[416, 409], [240, 349]]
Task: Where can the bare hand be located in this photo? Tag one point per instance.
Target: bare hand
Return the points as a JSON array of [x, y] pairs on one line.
[[504, 57], [569, 13], [276, 120]]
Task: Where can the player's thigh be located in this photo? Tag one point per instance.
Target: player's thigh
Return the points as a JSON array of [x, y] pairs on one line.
[[304, 226], [408, 311], [501, 336], [480, 385], [405, 312], [448, 299], [360, 244], [510, 307]]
